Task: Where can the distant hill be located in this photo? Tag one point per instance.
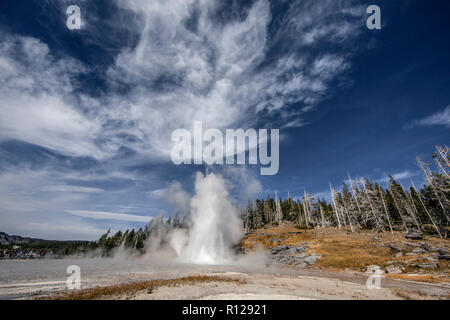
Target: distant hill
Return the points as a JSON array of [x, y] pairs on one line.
[[31, 248], [6, 239]]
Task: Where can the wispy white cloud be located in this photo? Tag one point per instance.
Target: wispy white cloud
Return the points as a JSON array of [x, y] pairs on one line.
[[67, 188], [37, 105], [157, 193], [34, 202], [228, 74], [407, 174], [398, 176], [215, 72], [70, 231], [101, 215], [440, 118]]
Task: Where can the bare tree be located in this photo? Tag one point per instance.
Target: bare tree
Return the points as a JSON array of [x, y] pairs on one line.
[[425, 208], [439, 188], [335, 205]]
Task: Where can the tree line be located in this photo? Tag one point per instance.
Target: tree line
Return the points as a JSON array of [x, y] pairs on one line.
[[153, 234], [363, 203]]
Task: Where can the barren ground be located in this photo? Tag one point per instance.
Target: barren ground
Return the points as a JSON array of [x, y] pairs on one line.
[[340, 273]]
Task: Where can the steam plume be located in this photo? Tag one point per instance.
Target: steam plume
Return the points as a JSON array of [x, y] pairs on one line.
[[216, 225]]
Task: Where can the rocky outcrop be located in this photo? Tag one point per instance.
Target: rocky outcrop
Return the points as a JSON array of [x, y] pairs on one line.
[[444, 255], [414, 235], [425, 265], [293, 255], [290, 249], [419, 250], [394, 269], [395, 248]]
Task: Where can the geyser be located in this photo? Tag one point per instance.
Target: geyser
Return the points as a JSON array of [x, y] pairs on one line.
[[216, 225]]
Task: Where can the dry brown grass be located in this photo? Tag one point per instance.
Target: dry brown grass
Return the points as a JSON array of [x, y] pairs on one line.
[[343, 250], [135, 287], [430, 278], [404, 295], [417, 295]]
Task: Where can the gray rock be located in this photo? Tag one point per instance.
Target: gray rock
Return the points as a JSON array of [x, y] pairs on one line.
[[371, 269], [431, 259], [286, 260], [399, 254], [292, 260], [287, 249], [444, 255], [395, 248], [428, 265], [414, 235], [295, 250], [430, 248], [279, 249], [311, 259], [419, 250], [293, 255], [300, 260], [411, 244], [394, 270]]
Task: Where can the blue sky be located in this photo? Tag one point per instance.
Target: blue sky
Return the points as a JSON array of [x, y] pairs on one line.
[[86, 115]]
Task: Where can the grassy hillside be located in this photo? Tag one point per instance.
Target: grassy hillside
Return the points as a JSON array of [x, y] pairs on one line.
[[343, 250]]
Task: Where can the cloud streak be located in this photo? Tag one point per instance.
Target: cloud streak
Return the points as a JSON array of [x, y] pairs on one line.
[[407, 174], [440, 118], [101, 215], [190, 60], [186, 66]]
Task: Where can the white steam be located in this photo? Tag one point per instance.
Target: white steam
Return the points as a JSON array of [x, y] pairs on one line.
[[216, 225], [178, 240]]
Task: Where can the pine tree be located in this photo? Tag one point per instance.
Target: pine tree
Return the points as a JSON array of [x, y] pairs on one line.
[[103, 238], [130, 239]]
